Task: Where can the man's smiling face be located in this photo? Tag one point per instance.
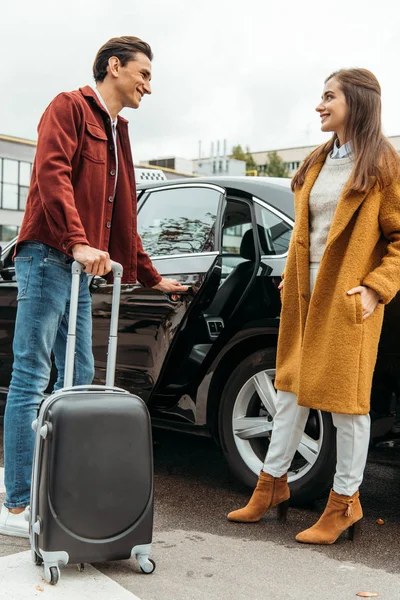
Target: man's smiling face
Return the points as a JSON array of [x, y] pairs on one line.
[[133, 80]]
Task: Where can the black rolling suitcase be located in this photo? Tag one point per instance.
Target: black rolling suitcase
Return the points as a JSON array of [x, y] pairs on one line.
[[92, 478]]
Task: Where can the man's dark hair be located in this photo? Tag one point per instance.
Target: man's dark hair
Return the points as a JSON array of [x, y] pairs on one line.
[[125, 48]]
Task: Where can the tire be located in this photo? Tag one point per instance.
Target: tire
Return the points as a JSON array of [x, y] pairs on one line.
[[245, 444]]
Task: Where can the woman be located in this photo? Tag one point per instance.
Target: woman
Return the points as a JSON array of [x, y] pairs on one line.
[[343, 267]]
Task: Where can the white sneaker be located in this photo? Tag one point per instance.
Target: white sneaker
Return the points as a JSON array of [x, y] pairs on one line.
[[12, 524]]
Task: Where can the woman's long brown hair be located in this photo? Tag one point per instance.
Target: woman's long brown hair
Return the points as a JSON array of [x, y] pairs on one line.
[[375, 159]]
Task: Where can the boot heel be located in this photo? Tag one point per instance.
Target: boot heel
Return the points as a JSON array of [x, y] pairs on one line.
[[283, 508], [354, 531]]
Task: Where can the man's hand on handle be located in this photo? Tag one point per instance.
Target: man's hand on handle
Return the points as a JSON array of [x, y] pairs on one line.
[[94, 261], [170, 286], [97, 262]]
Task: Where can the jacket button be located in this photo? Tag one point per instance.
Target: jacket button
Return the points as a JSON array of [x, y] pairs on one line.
[[110, 198], [112, 172], [111, 147], [64, 246], [108, 224]]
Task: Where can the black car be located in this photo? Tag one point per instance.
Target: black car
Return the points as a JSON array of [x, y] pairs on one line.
[[205, 361]]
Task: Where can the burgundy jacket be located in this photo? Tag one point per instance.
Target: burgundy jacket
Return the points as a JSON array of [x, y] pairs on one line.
[[71, 196]]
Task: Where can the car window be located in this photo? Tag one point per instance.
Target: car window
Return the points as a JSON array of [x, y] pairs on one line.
[[179, 220], [273, 231], [237, 220], [232, 238]]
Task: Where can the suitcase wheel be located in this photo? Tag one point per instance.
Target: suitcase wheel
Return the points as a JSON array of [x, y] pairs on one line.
[[54, 575], [147, 565], [51, 575]]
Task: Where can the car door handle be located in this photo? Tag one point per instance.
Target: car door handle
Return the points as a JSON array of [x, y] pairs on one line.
[[98, 282]]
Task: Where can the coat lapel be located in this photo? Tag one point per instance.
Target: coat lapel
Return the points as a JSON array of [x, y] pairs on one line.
[[347, 206], [302, 229], [302, 203]]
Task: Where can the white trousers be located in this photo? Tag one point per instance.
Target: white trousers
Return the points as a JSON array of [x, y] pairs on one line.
[[352, 437]]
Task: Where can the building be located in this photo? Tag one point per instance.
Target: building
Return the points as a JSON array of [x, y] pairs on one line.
[[16, 159], [173, 166], [215, 164], [219, 166], [293, 157], [218, 163]]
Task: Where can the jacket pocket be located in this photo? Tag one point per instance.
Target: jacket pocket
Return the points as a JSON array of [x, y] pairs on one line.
[[22, 271], [94, 146]]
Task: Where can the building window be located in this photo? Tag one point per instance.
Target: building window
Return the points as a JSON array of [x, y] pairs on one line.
[[24, 173], [10, 196], [292, 166], [14, 183], [22, 196]]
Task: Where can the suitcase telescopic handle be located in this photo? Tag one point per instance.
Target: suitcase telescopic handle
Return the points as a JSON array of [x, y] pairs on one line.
[[76, 271]]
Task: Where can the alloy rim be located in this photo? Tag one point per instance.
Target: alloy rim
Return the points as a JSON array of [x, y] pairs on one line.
[[253, 422]]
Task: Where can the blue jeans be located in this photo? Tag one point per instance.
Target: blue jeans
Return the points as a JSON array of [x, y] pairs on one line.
[[44, 287]]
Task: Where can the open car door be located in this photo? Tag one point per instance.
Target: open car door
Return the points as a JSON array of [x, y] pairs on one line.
[[179, 227]]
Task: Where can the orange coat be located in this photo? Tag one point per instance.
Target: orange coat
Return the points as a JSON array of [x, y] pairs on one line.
[[326, 351]]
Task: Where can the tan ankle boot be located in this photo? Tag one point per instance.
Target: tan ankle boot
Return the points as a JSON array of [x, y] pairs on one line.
[[270, 492], [341, 513]]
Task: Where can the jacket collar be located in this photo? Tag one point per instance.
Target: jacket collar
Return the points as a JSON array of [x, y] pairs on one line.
[[348, 204], [89, 92]]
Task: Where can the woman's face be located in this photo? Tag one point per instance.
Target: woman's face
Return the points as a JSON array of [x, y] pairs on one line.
[[333, 109]]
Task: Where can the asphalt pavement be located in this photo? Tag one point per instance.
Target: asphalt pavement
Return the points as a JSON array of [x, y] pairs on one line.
[[202, 556]]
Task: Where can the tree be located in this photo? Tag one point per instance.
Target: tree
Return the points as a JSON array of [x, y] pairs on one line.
[[239, 154], [275, 166]]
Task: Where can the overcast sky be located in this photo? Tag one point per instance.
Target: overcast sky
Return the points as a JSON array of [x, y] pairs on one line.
[[251, 72]]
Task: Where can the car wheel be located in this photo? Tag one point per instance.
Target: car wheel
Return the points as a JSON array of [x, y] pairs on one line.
[[246, 420]]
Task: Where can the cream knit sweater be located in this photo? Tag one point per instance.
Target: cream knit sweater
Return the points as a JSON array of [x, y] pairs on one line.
[[324, 197]]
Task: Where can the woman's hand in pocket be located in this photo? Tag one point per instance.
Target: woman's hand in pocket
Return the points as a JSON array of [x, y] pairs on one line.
[[369, 299]]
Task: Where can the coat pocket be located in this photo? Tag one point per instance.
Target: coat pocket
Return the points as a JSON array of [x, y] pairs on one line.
[[359, 309], [94, 146]]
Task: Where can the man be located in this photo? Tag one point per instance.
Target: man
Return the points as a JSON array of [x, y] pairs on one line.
[[81, 205]]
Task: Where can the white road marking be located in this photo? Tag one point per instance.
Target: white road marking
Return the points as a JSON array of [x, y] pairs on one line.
[[2, 488], [22, 580]]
